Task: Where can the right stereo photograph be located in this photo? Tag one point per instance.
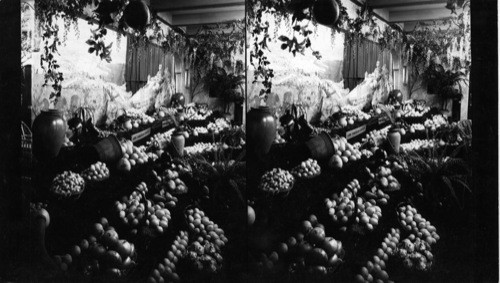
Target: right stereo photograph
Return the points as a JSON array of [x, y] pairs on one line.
[[359, 141]]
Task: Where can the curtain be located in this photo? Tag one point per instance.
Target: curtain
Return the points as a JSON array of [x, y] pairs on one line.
[[142, 62], [361, 56]]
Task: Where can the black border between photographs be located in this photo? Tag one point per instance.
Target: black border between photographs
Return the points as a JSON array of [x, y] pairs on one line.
[[484, 92]]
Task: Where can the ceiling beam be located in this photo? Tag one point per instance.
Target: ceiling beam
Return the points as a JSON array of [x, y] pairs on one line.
[[203, 11], [205, 19], [202, 7], [162, 5], [419, 15], [385, 4]]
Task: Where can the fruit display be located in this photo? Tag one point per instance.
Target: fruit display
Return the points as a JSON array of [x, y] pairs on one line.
[[375, 270], [103, 252], [355, 115], [385, 180], [416, 127], [200, 131], [415, 253], [67, 184], [344, 153], [314, 252], [277, 181], [131, 120], [415, 111], [194, 115], [413, 222], [96, 172], [436, 122], [377, 137], [160, 140], [132, 210], [367, 214], [204, 147], [171, 182], [419, 144], [165, 271], [341, 207], [307, 169], [380, 197], [279, 139], [218, 126], [204, 252], [133, 156]]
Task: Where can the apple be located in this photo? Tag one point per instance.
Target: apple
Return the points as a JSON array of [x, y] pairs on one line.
[[128, 125], [161, 114]]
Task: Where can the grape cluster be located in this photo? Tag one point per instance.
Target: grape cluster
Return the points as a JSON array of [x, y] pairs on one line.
[[378, 195], [170, 182], [385, 179], [415, 253], [104, 252], [368, 213], [277, 181], [341, 207], [131, 211], [314, 253], [204, 252], [218, 126], [67, 184], [375, 270], [96, 172], [165, 271], [307, 169], [413, 222]]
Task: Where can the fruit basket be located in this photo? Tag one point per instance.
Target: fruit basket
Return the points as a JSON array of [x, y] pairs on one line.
[[67, 185]]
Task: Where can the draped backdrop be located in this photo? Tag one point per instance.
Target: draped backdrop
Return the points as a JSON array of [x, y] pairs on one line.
[[144, 61], [361, 56]]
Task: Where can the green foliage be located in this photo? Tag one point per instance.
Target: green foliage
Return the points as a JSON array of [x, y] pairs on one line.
[[445, 179]]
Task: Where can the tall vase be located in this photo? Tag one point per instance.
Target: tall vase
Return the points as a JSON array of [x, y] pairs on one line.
[[178, 142], [394, 138], [49, 129], [260, 130]]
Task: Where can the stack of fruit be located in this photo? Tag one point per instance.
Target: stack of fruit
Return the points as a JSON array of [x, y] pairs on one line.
[[103, 252], [67, 184], [344, 153], [419, 144], [218, 126], [277, 181], [170, 182], [376, 270], [198, 116], [355, 115], [133, 156], [307, 169], [315, 253], [131, 211], [413, 222], [378, 195], [165, 271], [129, 121], [416, 127], [96, 172], [368, 213], [278, 139], [415, 253], [341, 207], [377, 137], [203, 147], [159, 140], [436, 122], [385, 180], [200, 131], [65, 261], [418, 111], [204, 253]]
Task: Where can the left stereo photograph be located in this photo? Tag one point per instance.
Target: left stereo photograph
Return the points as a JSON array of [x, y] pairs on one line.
[[132, 142]]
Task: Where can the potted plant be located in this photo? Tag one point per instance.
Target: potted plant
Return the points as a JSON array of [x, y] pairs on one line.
[[225, 86], [443, 83]]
